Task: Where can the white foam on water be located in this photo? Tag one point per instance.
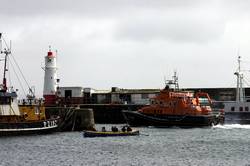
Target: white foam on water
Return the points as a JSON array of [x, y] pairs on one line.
[[232, 126]]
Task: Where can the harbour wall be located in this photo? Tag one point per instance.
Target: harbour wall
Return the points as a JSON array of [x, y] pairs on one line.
[[72, 119], [109, 108], [86, 115], [110, 113]]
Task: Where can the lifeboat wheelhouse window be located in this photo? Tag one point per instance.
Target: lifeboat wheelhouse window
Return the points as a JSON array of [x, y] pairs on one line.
[[246, 108], [241, 108], [232, 108]]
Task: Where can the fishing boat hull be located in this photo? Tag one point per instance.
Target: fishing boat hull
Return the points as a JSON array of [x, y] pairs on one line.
[[237, 117], [110, 133], [237, 112], [25, 128], [135, 118]]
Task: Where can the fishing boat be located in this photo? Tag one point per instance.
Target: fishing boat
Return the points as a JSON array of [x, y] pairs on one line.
[[18, 117], [110, 133], [237, 112], [174, 107]]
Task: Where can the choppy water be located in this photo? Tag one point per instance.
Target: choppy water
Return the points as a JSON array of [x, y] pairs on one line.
[[220, 145]]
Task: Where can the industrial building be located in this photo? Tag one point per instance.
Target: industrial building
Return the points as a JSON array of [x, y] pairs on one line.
[[81, 95]]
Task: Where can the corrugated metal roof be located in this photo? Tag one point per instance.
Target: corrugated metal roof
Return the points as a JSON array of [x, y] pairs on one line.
[[70, 87], [101, 91], [139, 91], [128, 91]]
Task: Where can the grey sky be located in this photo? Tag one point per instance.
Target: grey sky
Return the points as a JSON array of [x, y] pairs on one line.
[[128, 43]]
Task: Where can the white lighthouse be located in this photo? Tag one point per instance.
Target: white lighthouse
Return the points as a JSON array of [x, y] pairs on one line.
[[50, 78]]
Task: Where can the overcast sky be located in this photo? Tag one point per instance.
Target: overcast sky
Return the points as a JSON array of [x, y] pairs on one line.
[[129, 43]]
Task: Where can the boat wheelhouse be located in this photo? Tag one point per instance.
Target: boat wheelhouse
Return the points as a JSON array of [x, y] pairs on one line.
[[238, 111]]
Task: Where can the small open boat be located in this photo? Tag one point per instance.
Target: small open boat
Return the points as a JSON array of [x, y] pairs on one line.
[[110, 133]]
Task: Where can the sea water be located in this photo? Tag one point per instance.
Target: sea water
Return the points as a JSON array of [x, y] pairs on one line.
[[219, 145]]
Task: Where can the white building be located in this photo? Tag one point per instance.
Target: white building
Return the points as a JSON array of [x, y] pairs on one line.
[[69, 92]]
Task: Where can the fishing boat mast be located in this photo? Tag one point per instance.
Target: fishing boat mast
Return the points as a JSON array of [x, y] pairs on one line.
[[239, 88], [6, 51]]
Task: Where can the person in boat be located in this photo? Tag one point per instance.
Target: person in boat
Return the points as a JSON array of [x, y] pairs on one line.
[[114, 129], [123, 128], [129, 128], [92, 129], [103, 129]]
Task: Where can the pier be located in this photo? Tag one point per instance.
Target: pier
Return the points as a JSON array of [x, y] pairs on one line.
[[73, 119], [82, 111], [110, 113]]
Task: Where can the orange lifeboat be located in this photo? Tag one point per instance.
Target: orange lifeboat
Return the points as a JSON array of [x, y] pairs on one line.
[[173, 107]]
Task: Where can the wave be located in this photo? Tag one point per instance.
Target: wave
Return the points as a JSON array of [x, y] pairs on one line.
[[232, 126]]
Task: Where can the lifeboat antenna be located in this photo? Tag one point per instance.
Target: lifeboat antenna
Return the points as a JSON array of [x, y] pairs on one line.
[[175, 78], [174, 82]]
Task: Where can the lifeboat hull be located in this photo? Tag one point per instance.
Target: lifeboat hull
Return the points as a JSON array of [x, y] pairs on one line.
[[135, 118]]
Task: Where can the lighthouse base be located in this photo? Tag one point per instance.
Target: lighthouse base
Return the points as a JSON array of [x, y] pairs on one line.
[[50, 100]]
